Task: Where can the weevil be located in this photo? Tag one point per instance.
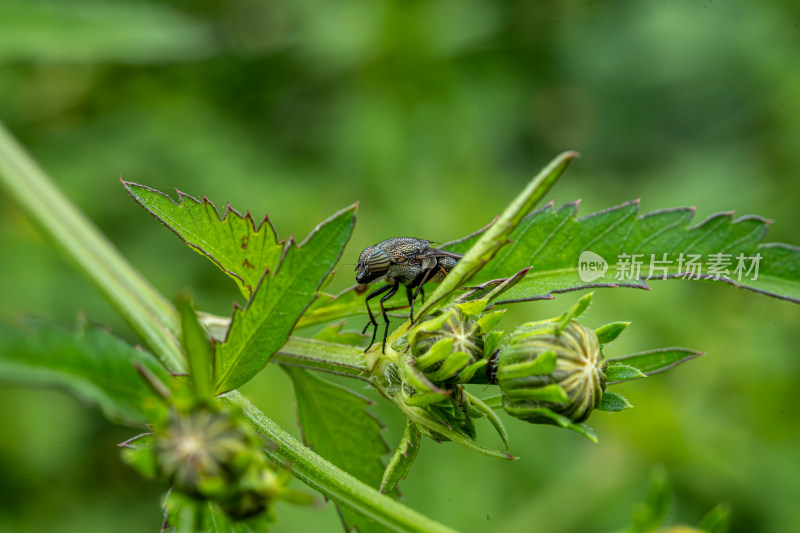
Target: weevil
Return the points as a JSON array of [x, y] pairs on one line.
[[401, 261]]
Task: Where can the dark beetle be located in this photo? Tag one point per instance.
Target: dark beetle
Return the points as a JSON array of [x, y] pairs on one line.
[[401, 261]]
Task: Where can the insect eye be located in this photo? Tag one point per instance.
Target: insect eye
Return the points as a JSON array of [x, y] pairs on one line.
[[378, 262]]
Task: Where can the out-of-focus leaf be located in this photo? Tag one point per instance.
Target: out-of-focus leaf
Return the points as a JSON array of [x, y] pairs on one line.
[[334, 333], [400, 463], [653, 361], [618, 248], [717, 520], [93, 30], [651, 513], [338, 427], [233, 242], [259, 330], [186, 515], [91, 363]]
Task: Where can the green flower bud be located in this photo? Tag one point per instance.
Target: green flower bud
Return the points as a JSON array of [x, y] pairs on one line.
[[448, 347], [551, 365], [203, 452]]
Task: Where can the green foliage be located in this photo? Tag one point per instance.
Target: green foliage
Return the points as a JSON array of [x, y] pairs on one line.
[[90, 363], [232, 242], [552, 240], [337, 426], [259, 330]]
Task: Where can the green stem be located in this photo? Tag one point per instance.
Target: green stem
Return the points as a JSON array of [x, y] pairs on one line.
[[156, 320], [321, 356], [321, 475], [149, 313]]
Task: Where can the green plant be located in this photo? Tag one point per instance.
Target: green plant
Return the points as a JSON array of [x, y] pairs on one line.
[[549, 372]]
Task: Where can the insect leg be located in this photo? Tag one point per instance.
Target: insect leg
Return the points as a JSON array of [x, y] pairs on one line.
[[372, 321], [391, 293], [419, 289]]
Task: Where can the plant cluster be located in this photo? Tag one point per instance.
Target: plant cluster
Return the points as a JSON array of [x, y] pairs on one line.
[[226, 462]]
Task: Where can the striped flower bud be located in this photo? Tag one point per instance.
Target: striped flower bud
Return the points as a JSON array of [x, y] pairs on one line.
[[448, 347], [551, 365]]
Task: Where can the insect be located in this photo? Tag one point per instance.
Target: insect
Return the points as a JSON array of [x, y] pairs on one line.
[[401, 261]]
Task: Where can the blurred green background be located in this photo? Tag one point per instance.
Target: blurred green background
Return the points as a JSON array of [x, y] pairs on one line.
[[432, 115]]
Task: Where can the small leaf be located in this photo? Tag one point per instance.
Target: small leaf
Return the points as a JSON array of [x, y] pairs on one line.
[[259, 331], [655, 361], [609, 332], [404, 456], [487, 411], [338, 427], [92, 364], [232, 242], [614, 402], [617, 372], [717, 520], [575, 311], [198, 349]]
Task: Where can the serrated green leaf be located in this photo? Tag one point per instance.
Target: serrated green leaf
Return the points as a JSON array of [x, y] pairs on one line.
[[259, 331], [402, 459], [232, 242], [614, 402], [655, 361], [717, 520], [92, 364], [198, 349], [338, 427], [617, 372], [552, 240], [609, 332]]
